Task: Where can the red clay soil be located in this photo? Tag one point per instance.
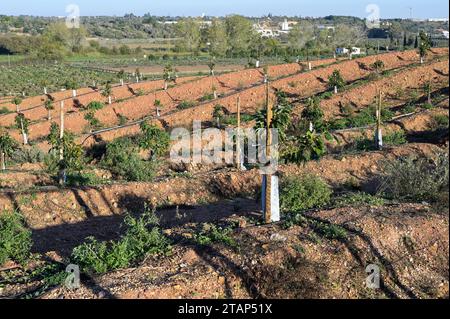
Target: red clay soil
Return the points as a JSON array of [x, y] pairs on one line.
[[307, 84], [408, 242], [134, 108]]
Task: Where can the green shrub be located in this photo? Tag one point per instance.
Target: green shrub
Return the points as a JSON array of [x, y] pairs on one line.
[[329, 231], [185, 105], [417, 179], [358, 199], [95, 106], [302, 193], [122, 159], [395, 138], [439, 121], [155, 139], [142, 238], [15, 239], [214, 234]]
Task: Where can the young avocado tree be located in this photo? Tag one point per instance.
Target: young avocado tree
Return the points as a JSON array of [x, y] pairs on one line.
[[7, 146], [17, 101], [335, 81], [378, 66], [107, 91], [71, 85], [70, 153], [428, 87], [168, 75], [424, 46], [313, 114], [23, 123], [48, 104], [218, 114], [154, 139], [158, 105]]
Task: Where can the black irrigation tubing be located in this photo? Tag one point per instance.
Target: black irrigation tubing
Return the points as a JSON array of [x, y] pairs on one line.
[[238, 91], [399, 69]]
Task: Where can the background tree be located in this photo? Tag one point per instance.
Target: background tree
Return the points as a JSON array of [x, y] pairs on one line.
[[240, 34], [217, 38], [188, 31], [107, 91], [299, 36]]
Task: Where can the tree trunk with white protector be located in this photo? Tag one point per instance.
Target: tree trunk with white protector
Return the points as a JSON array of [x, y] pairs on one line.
[[3, 161]]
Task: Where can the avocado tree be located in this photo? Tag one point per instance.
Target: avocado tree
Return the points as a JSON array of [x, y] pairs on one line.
[[427, 87], [424, 45], [7, 146], [158, 105], [107, 91], [154, 139], [335, 81], [70, 153], [17, 101], [48, 104], [168, 75], [378, 66], [23, 123]]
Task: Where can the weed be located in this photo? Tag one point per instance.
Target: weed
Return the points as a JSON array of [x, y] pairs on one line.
[[15, 238], [142, 238], [215, 234], [358, 199], [302, 193]]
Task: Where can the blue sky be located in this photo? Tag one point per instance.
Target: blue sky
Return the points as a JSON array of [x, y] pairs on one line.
[[388, 8]]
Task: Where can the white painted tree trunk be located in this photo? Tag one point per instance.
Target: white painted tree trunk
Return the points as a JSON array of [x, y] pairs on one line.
[[335, 89], [165, 85], [257, 64], [137, 79], [311, 127], [215, 94], [49, 115], [270, 196], [421, 60], [62, 172], [109, 100], [309, 66], [74, 93], [157, 112], [121, 82], [45, 90], [24, 134]]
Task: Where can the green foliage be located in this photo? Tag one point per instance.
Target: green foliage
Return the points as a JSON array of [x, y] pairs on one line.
[[143, 237], [439, 121], [336, 80], [7, 144], [15, 238], [215, 234], [378, 66], [94, 123], [329, 231], [358, 199], [154, 139], [185, 105], [73, 160], [302, 193], [304, 148], [365, 117], [95, 106], [313, 113], [122, 159], [22, 123], [424, 44], [395, 138]]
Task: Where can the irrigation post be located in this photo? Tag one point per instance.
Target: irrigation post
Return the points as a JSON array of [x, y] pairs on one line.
[[62, 172], [270, 195], [378, 133], [239, 157]]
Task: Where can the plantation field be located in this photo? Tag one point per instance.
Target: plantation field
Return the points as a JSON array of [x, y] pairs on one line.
[[143, 226]]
